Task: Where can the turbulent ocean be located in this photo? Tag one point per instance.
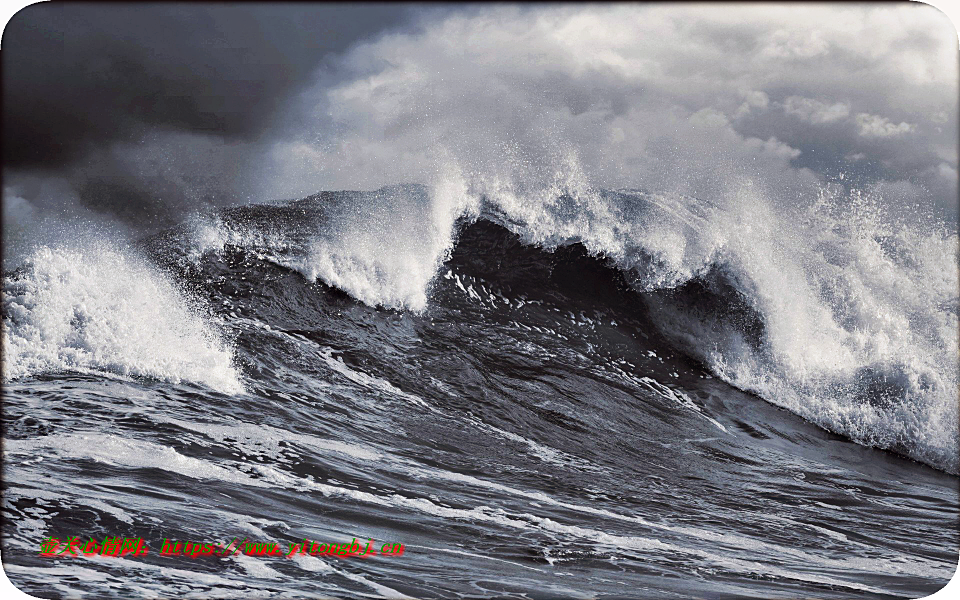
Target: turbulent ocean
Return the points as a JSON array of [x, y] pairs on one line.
[[567, 393]]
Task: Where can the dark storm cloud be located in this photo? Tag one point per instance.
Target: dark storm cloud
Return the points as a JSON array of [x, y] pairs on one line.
[[79, 75]]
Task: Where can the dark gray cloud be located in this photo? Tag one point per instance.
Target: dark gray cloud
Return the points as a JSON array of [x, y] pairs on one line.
[[135, 113], [79, 75]]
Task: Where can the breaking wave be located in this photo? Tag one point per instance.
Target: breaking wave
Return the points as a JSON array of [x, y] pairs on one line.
[[98, 308], [829, 311]]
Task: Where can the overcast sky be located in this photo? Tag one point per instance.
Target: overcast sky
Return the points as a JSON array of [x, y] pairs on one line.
[[138, 113]]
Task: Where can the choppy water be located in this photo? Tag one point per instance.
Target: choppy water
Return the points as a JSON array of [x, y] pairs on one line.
[[612, 394]]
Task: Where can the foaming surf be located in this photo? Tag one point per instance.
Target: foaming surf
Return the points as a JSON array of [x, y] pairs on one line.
[[99, 309]]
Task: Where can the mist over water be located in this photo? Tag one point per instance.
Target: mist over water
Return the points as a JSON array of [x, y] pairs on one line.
[[691, 100]]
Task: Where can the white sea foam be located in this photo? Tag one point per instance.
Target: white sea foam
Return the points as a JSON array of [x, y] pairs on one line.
[[99, 308], [383, 248], [115, 450]]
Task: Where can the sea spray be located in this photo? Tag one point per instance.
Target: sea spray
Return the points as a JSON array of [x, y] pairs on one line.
[[98, 307]]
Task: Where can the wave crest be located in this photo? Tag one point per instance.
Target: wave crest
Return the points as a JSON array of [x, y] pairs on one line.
[[100, 309]]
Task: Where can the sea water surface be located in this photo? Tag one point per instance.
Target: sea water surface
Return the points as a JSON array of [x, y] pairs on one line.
[[610, 394]]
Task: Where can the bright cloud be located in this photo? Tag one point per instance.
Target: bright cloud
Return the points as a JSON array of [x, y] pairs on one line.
[[876, 126], [814, 111]]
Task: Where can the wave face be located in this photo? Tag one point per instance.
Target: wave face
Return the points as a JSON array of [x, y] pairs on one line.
[[529, 387]]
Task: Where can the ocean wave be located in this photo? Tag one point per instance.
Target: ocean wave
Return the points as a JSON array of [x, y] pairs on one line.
[[97, 308], [828, 310]]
